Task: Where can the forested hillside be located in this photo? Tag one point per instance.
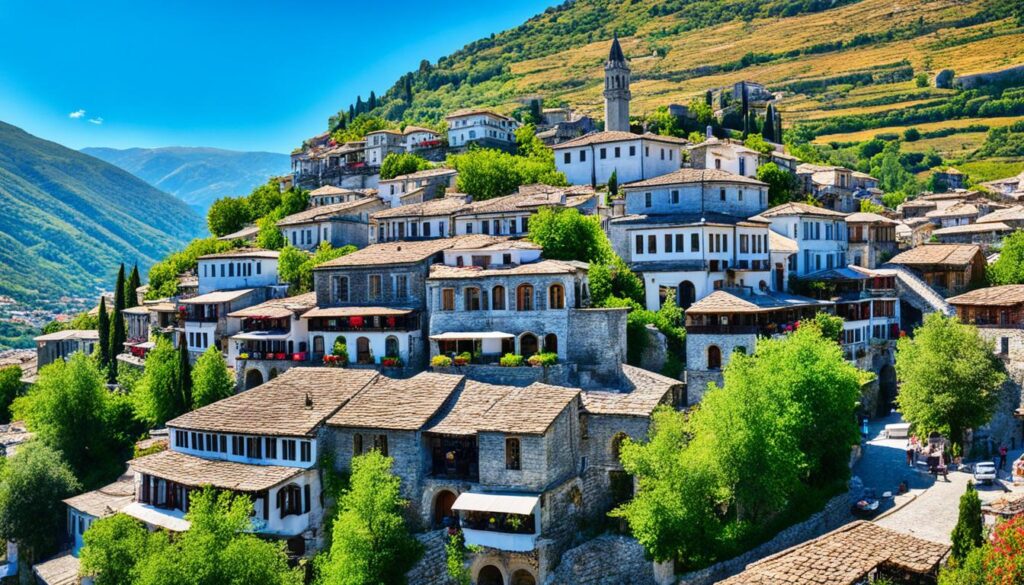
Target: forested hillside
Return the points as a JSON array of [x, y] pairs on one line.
[[69, 219], [197, 176]]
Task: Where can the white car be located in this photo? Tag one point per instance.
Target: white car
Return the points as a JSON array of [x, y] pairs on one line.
[[985, 472]]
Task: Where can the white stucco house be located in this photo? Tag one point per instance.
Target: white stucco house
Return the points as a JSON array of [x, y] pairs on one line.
[[591, 159]]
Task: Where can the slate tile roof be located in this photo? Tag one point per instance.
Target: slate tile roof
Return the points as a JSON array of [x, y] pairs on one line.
[[865, 217], [798, 208], [615, 136], [324, 212], [279, 308], [647, 391], [780, 243], [956, 255], [243, 253], [279, 407], [442, 271], [403, 252], [106, 500], [962, 209], [844, 557], [690, 176], [463, 417], [973, 228], [1015, 213], [721, 301], [439, 171], [60, 570], [229, 475], [355, 312], [401, 405], [432, 207], [528, 411], [994, 296]]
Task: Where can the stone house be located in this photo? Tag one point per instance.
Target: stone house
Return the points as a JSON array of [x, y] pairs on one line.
[[263, 443], [1012, 216], [510, 215], [591, 159], [985, 235], [951, 178], [381, 143], [417, 221], [205, 317], [86, 508], [725, 156], [375, 300], [820, 235], [329, 194], [871, 238], [419, 138], [948, 268], [61, 344], [914, 232], [917, 208], [237, 269], [831, 185], [688, 232], [484, 128], [434, 183], [961, 213], [270, 338], [338, 224]]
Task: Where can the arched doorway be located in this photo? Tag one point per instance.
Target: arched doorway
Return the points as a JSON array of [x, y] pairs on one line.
[[253, 378], [490, 575], [363, 351], [443, 502], [686, 295], [528, 345], [551, 343], [886, 390], [391, 346], [523, 577], [273, 374], [714, 357]]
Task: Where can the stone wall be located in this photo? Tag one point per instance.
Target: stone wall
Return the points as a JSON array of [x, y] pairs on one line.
[[556, 375], [605, 560], [988, 78], [543, 459], [598, 344], [1004, 428], [835, 514], [431, 569], [655, 350]]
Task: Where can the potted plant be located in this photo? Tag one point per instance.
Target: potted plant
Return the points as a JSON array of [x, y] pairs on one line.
[[243, 356], [463, 358], [340, 352], [391, 362], [510, 360], [544, 359], [441, 361]]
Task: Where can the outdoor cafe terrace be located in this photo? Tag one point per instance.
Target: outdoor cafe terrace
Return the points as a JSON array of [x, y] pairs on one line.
[[740, 311]]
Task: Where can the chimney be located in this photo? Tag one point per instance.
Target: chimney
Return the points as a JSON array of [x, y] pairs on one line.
[[309, 401], [710, 134]]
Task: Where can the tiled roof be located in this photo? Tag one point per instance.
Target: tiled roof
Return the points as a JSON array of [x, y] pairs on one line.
[[60, 570], [106, 500], [410, 129], [422, 174], [948, 196], [539, 188], [442, 271], [780, 243], [844, 557], [938, 254], [528, 411], [464, 415], [355, 312], [798, 208], [328, 190], [722, 301], [864, 217], [324, 212], [69, 334], [995, 296], [496, 243], [615, 136], [279, 407], [918, 203], [394, 404], [243, 253], [514, 202], [242, 234], [279, 308], [432, 207], [474, 111], [647, 391], [195, 471], [955, 210], [219, 296], [689, 176], [1014, 213], [388, 253], [707, 218], [973, 228]]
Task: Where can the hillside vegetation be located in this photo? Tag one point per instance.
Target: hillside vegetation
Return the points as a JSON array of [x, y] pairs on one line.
[[197, 176], [70, 219]]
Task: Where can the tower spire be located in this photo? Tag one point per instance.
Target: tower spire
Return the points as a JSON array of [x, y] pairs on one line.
[[616, 89]]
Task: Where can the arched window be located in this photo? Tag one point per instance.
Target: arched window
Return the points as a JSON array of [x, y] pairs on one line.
[[512, 454], [391, 346], [551, 343], [687, 294], [524, 297], [556, 296], [498, 298], [471, 298], [528, 344], [714, 357], [357, 444], [289, 500]]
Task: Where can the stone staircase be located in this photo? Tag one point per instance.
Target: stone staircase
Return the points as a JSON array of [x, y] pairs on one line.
[[916, 292]]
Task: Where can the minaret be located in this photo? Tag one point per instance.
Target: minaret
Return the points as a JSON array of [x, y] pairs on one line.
[[616, 90]]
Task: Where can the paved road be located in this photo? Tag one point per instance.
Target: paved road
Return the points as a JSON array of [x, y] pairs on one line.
[[932, 510]]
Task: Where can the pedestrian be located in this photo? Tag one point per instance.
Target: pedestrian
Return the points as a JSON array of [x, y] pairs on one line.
[[1002, 457], [910, 455]]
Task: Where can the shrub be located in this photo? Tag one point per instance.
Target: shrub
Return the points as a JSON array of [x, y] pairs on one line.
[[510, 360], [340, 350], [441, 361], [547, 358]]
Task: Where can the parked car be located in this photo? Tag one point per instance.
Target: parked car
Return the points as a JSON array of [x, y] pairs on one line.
[[985, 472], [867, 506]]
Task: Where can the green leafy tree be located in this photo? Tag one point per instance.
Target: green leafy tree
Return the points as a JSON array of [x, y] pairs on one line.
[[118, 329], [67, 409], [32, 483], [131, 291], [867, 206], [157, 395], [613, 183], [103, 328], [263, 200], [296, 266], [10, 388], [113, 548], [1009, 268], [359, 126], [486, 173], [211, 380], [184, 394], [269, 236], [615, 281], [830, 326], [163, 276], [949, 377], [401, 163], [455, 560], [370, 541], [921, 79], [781, 183], [968, 533], [528, 145], [567, 234], [758, 143], [228, 215], [911, 135], [293, 201]]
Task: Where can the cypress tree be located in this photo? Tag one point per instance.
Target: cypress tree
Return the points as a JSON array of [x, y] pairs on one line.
[[118, 332], [768, 130], [613, 183], [967, 535], [184, 401], [407, 89], [371, 104], [708, 97], [131, 296], [359, 105], [351, 112], [103, 328]]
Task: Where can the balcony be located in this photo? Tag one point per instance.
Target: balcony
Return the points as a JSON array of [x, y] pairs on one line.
[[729, 330], [501, 521]]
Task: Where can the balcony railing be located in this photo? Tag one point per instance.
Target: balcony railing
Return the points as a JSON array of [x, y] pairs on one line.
[[729, 330]]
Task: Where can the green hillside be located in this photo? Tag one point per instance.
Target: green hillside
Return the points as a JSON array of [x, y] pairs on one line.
[[830, 59], [69, 219]]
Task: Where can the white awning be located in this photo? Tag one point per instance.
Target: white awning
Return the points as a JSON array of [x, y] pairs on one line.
[[458, 335], [501, 503], [173, 520], [260, 336]]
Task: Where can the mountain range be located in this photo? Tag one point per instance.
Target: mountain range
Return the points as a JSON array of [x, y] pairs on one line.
[[196, 175], [69, 219]]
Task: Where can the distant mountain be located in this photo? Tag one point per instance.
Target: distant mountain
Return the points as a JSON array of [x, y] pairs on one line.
[[69, 219], [198, 176]]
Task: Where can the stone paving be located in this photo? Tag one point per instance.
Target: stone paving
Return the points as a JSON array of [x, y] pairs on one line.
[[930, 510]]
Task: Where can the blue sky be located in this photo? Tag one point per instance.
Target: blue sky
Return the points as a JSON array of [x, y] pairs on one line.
[[254, 75]]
